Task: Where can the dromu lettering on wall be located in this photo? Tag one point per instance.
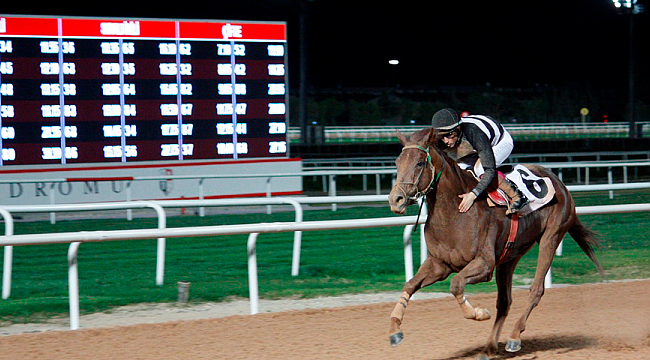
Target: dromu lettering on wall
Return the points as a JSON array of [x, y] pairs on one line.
[[44, 189]]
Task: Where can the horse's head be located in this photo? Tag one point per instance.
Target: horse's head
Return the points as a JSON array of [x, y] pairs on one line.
[[416, 172]]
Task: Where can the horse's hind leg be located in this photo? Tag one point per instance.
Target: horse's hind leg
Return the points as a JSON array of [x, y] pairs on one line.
[[504, 274], [478, 270], [429, 272], [547, 245]]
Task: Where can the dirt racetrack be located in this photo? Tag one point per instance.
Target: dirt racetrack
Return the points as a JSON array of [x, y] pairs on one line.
[[601, 321]]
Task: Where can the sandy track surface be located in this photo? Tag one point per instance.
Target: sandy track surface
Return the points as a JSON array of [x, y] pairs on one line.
[[599, 321]]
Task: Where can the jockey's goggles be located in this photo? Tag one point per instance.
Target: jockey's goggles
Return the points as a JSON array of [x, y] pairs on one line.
[[450, 133]]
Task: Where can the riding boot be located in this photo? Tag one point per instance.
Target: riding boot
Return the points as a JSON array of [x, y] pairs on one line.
[[518, 199]]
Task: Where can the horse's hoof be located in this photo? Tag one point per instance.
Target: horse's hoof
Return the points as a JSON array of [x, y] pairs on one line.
[[513, 345], [396, 338], [482, 314]]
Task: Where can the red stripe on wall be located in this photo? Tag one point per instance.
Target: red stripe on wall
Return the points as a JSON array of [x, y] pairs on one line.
[[146, 166]]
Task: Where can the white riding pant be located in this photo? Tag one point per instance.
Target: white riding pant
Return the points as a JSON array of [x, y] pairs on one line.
[[501, 152]]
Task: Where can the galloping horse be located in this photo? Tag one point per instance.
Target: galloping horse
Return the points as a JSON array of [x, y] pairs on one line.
[[470, 243]]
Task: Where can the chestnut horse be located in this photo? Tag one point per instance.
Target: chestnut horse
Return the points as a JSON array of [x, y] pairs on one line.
[[470, 243]]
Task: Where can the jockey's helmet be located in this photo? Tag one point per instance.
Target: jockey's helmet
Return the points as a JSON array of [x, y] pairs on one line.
[[445, 120]]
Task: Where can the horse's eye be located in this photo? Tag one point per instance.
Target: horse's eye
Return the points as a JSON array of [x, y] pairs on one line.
[[420, 164]]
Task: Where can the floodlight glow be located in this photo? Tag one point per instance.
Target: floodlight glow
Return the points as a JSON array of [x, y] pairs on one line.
[[393, 62], [629, 4]]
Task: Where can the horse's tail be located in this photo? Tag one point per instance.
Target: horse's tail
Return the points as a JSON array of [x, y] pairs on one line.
[[587, 239]]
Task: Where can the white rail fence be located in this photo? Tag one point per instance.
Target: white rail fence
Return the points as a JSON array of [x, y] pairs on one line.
[[76, 238], [295, 202]]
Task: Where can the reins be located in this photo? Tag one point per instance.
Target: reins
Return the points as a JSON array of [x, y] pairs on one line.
[[434, 180]]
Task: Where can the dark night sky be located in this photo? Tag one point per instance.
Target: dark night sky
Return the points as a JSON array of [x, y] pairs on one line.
[[473, 42], [506, 43]]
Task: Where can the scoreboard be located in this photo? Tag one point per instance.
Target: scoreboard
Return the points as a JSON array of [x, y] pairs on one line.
[[88, 90]]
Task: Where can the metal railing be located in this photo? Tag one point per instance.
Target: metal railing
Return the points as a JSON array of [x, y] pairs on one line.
[[323, 163], [342, 134]]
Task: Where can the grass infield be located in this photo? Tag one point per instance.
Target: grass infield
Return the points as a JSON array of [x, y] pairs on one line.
[[120, 273]]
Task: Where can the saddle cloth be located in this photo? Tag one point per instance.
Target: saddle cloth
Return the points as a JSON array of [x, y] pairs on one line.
[[538, 190]]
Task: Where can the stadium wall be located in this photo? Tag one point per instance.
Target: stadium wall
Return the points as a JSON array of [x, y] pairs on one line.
[[85, 183]]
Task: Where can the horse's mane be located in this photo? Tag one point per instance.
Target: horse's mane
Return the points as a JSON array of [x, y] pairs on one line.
[[439, 147]]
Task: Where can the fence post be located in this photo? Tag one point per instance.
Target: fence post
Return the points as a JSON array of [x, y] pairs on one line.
[[252, 273], [297, 239], [9, 255], [201, 196], [333, 190], [578, 175], [161, 244], [6, 271], [424, 252], [73, 285], [52, 202], [377, 184], [129, 213], [610, 180], [408, 252], [548, 281], [268, 195]]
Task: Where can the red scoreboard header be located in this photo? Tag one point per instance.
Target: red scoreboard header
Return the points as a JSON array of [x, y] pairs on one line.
[[94, 90], [141, 29]]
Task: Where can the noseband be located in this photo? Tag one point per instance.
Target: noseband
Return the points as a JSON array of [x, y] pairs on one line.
[[434, 177]]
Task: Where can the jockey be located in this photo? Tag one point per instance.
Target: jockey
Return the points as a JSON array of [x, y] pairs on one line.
[[485, 136]]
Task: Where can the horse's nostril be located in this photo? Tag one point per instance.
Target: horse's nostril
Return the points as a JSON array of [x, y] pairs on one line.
[[399, 199]]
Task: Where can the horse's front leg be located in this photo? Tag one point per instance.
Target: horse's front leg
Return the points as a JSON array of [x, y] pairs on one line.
[[478, 270], [429, 272]]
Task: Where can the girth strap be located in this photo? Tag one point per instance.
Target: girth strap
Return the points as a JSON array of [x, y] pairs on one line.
[[514, 226]]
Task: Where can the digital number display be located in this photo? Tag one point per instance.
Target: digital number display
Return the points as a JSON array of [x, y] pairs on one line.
[[89, 90]]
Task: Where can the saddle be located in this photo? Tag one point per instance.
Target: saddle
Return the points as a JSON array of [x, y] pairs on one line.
[[538, 190]]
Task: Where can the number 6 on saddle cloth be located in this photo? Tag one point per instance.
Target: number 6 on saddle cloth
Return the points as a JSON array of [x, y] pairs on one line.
[[538, 190]]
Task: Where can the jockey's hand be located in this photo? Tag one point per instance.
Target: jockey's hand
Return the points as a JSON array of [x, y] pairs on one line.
[[467, 202]]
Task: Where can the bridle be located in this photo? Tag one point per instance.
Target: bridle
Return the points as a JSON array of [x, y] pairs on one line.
[[434, 180], [434, 177]]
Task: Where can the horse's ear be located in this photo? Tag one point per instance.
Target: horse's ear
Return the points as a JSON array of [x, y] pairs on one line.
[[434, 137], [401, 138], [431, 137]]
